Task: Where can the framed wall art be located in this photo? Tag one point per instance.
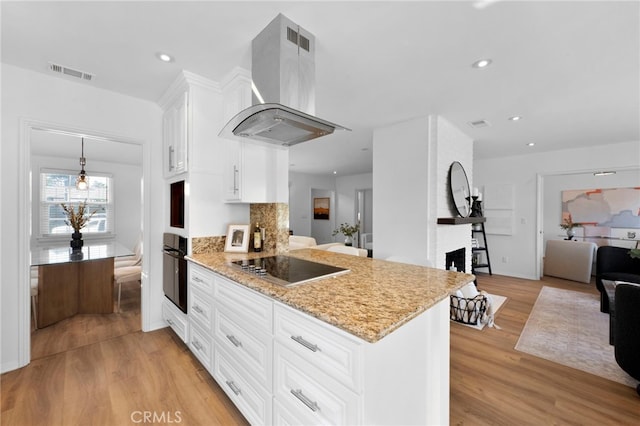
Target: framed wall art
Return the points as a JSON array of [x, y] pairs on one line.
[[237, 239], [321, 208]]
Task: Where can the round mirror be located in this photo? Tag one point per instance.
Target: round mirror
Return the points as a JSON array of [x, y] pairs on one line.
[[459, 187]]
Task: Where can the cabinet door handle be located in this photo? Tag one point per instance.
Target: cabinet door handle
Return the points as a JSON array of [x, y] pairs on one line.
[[198, 309], [312, 347], [235, 179], [171, 150], [197, 345], [237, 343], [313, 406], [233, 387]]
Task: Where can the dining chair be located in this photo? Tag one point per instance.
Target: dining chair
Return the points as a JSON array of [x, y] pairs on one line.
[[124, 275], [34, 294]]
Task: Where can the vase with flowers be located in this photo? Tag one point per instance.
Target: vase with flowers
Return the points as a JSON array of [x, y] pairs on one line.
[[348, 231], [568, 225], [77, 219]]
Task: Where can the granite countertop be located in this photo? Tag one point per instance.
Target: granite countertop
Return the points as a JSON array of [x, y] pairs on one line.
[[369, 302]]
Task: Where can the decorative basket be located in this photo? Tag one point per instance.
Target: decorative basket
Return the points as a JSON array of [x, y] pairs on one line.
[[468, 311]]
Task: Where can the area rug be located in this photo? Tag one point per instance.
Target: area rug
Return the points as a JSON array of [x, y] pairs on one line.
[[568, 328], [498, 301]]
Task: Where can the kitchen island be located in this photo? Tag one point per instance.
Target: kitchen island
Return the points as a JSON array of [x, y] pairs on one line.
[[367, 347]]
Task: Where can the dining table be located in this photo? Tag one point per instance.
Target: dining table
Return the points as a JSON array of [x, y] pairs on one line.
[[74, 282]]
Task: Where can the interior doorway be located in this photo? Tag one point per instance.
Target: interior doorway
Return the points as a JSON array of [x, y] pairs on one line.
[[364, 217], [47, 146]]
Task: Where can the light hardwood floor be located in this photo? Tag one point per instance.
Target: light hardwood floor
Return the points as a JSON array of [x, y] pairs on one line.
[[115, 379]]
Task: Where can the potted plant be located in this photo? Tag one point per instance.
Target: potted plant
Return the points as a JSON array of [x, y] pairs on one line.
[[348, 231], [77, 219], [568, 226]]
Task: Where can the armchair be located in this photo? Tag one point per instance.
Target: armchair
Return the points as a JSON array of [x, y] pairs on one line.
[[615, 264], [627, 329]]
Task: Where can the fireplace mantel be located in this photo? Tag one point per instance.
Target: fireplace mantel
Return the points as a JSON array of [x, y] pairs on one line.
[[460, 220]]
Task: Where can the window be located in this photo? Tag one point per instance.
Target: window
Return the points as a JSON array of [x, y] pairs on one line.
[[59, 186]]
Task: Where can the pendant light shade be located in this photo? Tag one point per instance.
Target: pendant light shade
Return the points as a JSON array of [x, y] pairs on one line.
[[82, 182]]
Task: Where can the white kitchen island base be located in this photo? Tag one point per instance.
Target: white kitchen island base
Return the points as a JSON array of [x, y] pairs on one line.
[[282, 366]]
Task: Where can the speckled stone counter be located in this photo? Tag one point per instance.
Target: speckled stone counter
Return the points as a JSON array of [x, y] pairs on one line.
[[369, 302]]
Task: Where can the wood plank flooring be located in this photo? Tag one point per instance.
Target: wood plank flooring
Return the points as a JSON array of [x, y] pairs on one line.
[[114, 379], [492, 383]]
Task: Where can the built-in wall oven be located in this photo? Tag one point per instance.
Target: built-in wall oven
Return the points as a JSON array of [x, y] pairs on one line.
[[174, 275]]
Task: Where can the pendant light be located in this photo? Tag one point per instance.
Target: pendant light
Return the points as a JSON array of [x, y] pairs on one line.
[[82, 182]]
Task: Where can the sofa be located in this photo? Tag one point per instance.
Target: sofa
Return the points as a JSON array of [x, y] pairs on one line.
[[615, 264], [299, 242], [627, 329]]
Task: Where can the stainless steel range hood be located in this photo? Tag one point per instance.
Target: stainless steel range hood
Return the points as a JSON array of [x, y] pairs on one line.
[[283, 74]]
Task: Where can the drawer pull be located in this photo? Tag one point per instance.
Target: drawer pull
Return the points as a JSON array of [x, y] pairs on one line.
[[237, 343], [198, 280], [233, 387], [197, 345], [312, 347], [168, 320], [198, 309], [313, 406]]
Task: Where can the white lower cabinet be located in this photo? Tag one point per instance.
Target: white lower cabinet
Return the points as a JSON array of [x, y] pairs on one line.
[[201, 344], [253, 401], [177, 320], [301, 387]]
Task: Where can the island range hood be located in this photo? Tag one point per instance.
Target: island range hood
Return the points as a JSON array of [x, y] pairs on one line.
[[283, 74]]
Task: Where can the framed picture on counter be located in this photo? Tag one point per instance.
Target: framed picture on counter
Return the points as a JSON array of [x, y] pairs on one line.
[[237, 239]]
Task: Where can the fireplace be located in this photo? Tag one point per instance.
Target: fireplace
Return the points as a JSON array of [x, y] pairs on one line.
[[458, 258]]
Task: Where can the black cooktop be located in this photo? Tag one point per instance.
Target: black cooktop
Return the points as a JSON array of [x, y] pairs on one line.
[[287, 271]]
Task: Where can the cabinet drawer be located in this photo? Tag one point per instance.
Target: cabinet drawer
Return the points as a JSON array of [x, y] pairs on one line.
[[201, 346], [321, 345], [200, 309], [201, 278], [250, 347], [257, 310], [176, 319], [254, 402], [301, 387]]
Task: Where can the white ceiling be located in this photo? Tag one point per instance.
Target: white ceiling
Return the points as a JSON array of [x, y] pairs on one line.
[[570, 69]]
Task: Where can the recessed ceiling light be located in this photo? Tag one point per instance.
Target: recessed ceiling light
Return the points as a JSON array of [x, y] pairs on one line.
[[515, 118], [482, 63], [531, 144], [607, 173], [335, 172], [164, 57]]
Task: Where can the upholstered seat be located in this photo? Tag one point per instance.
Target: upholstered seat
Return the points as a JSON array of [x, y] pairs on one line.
[[124, 275], [299, 241], [614, 264], [354, 251], [34, 294], [571, 260], [627, 329]]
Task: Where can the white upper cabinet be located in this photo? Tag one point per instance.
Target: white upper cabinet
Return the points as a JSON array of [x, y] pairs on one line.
[[252, 172], [176, 136]]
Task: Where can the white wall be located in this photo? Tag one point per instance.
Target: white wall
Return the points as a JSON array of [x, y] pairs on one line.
[[401, 185], [521, 248], [41, 97]]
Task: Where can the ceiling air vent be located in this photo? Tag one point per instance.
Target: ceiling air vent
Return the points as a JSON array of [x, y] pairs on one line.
[[478, 124], [61, 69]]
